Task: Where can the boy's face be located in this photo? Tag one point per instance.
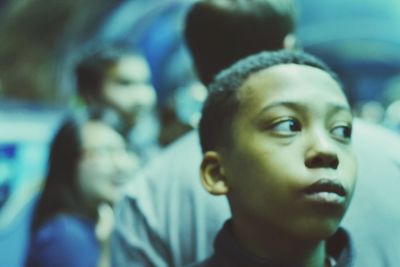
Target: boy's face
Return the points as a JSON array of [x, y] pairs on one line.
[[291, 166], [127, 88]]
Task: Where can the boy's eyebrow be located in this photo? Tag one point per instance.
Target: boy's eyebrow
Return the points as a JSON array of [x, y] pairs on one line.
[[298, 106]]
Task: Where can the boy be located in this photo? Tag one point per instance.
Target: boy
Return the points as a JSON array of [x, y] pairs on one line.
[[167, 219], [276, 137]]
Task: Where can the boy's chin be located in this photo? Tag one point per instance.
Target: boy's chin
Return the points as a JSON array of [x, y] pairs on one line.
[[319, 230]]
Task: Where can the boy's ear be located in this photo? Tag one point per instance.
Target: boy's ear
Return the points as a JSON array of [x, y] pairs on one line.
[[212, 174]]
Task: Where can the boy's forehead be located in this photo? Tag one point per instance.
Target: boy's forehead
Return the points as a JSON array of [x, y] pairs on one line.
[[286, 83], [286, 74]]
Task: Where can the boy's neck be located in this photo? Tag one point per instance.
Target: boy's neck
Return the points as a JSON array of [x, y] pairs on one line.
[[280, 247]]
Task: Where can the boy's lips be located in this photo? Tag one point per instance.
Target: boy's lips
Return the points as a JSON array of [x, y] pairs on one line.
[[326, 191]]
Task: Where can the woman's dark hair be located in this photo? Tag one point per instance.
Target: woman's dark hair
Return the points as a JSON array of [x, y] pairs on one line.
[[61, 193]]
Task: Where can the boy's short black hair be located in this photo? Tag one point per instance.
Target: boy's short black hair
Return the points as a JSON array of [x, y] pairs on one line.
[[256, 25], [96, 61], [222, 102]]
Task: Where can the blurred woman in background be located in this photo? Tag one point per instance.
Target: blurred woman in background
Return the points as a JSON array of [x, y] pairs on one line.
[[88, 167]]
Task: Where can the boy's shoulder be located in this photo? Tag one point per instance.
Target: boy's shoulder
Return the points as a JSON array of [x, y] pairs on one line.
[[228, 252]]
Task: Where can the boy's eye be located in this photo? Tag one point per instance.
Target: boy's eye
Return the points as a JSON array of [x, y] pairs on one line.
[[342, 132], [286, 126]]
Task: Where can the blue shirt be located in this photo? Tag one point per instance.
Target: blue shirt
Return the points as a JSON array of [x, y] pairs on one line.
[[64, 241], [168, 219]]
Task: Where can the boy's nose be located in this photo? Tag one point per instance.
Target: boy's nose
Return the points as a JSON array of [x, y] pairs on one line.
[[321, 154]]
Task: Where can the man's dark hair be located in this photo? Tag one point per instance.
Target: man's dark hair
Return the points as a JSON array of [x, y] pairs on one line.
[[222, 102], [91, 71], [218, 33]]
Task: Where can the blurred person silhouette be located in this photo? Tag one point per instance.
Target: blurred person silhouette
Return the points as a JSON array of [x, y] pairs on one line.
[[88, 168], [182, 96], [173, 76], [117, 77], [167, 218], [276, 134]]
